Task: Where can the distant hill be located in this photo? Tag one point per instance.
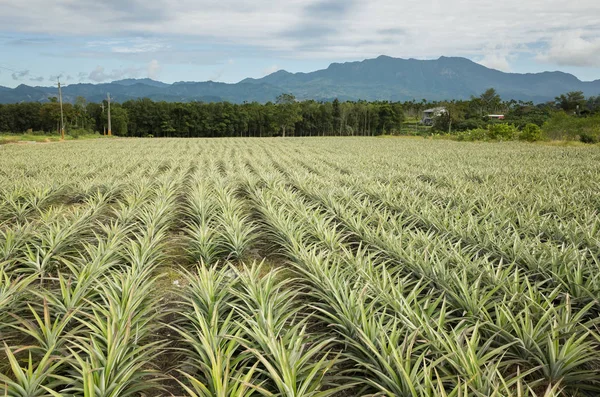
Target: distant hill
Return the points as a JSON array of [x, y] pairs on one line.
[[150, 82], [404, 79], [382, 78]]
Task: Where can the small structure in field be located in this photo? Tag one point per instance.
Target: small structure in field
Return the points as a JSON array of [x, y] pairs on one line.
[[429, 115], [496, 116]]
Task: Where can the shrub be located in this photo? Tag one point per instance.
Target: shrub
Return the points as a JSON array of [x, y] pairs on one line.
[[77, 132], [563, 126], [499, 131], [588, 138], [503, 132], [531, 133], [469, 124], [477, 134]]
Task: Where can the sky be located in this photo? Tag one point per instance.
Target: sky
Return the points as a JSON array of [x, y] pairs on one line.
[[95, 41]]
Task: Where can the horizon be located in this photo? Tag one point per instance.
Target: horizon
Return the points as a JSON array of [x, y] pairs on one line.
[[91, 42], [142, 78]]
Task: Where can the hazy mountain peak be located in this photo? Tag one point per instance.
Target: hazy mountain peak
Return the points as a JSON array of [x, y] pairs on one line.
[[146, 81], [381, 78], [280, 72]]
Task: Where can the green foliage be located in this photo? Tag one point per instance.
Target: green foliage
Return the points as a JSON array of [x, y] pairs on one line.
[[493, 132], [565, 127], [531, 133], [478, 134], [287, 116], [587, 137], [302, 268], [490, 101], [79, 132], [144, 117], [502, 132], [527, 113], [470, 124], [572, 102], [287, 113]]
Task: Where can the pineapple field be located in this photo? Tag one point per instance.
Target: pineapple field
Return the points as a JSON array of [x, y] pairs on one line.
[[302, 267]]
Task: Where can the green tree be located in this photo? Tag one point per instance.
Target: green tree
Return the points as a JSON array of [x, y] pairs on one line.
[[288, 112], [337, 116], [571, 102], [81, 116], [490, 100], [453, 115], [50, 116], [390, 117], [119, 119]]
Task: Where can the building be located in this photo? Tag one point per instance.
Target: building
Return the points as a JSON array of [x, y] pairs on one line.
[[496, 116], [430, 115]]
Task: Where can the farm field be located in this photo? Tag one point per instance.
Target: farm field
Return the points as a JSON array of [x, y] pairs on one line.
[[299, 267]]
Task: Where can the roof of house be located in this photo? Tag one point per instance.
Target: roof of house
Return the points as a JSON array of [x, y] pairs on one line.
[[435, 110]]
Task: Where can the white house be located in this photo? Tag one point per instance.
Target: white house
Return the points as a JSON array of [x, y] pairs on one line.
[[429, 115]]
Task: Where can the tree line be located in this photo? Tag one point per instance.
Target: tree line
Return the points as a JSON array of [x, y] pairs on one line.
[[144, 117], [286, 116], [473, 113]]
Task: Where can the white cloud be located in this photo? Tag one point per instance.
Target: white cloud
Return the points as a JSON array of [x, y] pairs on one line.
[[100, 75], [495, 61], [153, 69], [138, 46], [498, 57], [321, 29], [20, 75], [132, 45], [270, 69], [53, 78], [573, 49]]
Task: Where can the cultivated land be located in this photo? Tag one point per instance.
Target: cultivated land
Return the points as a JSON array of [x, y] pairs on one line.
[[299, 267]]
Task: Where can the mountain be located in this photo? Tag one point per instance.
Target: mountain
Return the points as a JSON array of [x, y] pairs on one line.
[[405, 79], [150, 82], [23, 93], [382, 78]]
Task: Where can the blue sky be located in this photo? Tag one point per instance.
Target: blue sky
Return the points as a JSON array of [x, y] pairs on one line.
[[227, 40]]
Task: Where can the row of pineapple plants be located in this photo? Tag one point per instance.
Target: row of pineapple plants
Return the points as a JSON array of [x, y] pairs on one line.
[[380, 279]]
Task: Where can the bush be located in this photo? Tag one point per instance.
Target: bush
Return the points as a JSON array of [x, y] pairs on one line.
[[502, 132], [77, 132], [523, 115], [493, 132], [588, 138], [531, 133], [563, 126], [477, 134], [469, 124]]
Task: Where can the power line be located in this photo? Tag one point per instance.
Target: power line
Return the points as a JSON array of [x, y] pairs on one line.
[[31, 76], [20, 71], [9, 69]]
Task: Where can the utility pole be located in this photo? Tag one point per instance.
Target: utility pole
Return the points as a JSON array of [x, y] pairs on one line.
[[109, 125], [62, 120], [103, 125]]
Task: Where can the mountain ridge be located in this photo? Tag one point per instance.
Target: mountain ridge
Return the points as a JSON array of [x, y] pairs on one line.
[[381, 78]]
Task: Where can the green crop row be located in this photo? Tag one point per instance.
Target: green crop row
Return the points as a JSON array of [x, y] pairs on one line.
[[299, 267]]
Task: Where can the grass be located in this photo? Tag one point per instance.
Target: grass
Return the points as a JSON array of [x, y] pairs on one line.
[[300, 267], [15, 138]]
